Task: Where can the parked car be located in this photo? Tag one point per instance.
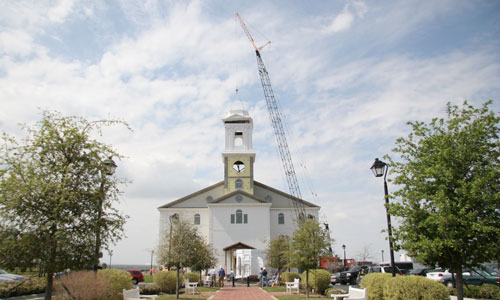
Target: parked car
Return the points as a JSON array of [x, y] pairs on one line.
[[5, 276], [136, 276], [419, 272], [476, 277], [382, 269], [335, 278], [438, 275], [351, 275]]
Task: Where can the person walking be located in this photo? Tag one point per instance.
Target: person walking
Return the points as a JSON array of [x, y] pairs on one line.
[[222, 274], [212, 273]]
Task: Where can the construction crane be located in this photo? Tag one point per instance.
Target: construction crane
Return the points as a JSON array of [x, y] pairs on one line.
[[279, 133]]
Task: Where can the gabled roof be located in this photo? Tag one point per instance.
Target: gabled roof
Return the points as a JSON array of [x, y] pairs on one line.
[[220, 199], [261, 185], [285, 194], [237, 246], [192, 195]]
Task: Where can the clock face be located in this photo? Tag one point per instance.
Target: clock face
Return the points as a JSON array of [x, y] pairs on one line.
[[239, 166]]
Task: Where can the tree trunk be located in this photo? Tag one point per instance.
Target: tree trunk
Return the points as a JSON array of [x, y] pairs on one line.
[[48, 287], [460, 283], [177, 285], [307, 283]]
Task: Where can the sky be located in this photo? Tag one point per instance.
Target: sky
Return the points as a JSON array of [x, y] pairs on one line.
[[348, 75]]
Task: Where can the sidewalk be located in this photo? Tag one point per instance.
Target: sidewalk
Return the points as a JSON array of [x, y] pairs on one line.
[[242, 293]]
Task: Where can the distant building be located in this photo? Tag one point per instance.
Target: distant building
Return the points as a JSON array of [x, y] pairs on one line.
[[238, 216]]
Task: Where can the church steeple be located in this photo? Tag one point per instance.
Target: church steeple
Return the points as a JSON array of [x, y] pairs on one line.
[[238, 155]]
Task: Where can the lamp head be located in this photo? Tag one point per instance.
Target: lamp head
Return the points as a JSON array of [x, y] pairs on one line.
[[378, 168], [109, 166]]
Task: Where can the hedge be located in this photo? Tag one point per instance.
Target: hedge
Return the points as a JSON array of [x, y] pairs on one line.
[[319, 280], [374, 284], [29, 287], [193, 277], [414, 288], [289, 277], [166, 280], [118, 281], [81, 285]]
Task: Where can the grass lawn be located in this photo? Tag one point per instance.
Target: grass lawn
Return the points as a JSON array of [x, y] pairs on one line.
[[293, 297], [148, 279], [182, 296]]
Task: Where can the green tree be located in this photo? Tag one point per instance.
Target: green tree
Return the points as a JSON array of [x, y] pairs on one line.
[[204, 256], [309, 243], [449, 190], [278, 253], [55, 204], [180, 246]]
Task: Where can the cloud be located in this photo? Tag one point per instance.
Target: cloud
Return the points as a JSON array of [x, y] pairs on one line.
[[344, 20]]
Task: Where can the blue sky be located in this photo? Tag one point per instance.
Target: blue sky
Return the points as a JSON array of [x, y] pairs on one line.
[[348, 75]]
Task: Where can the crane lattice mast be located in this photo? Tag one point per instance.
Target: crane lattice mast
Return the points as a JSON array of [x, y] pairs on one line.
[[279, 133]]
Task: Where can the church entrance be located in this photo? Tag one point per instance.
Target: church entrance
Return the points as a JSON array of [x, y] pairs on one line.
[[238, 258]]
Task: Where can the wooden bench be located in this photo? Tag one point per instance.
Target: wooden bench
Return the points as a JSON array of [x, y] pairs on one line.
[[134, 294], [354, 294]]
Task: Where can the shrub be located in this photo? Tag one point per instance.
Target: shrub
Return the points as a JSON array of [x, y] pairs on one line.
[[149, 290], [193, 277], [289, 276], [82, 285], [319, 280], [118, 280], [166, 280], [31, 286], [414, 288], [489, 291], [374, 284], [333, 291]]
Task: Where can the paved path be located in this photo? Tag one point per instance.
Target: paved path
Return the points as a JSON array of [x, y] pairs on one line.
[[242, 293]]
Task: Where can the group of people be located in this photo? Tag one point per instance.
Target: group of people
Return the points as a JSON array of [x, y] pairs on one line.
[[265, 281], [221, 273]]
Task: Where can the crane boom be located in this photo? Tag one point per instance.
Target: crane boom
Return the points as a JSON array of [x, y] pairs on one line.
[[279, 133]]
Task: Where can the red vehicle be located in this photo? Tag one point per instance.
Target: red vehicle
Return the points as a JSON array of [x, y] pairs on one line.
[[136, 276]]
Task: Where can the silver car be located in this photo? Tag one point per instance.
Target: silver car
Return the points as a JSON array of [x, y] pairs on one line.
[[4, 276]]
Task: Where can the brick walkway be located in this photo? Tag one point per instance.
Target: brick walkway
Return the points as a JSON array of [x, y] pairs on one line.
[[242, 293]]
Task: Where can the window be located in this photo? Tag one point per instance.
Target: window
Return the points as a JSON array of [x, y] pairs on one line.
[[281, 218], [239, 217], [197, 219], [238, 184]]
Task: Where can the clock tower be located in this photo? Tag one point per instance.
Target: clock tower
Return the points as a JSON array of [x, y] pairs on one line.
[[238, 155]]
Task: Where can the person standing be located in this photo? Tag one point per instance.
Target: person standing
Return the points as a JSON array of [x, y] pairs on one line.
[[222, 274], [264, 277]]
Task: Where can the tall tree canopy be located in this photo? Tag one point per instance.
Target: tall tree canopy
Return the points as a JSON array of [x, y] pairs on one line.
[[309, 243], [278, 252], [449, 189], [54, 197]]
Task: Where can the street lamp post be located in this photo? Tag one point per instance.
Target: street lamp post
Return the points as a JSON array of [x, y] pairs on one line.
[[174, 217], [108, 170], [151, 270], [379, 169], [343, 247], [110, 255], [382, 255]]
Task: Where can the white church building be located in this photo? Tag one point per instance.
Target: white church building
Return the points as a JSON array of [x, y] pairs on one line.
[[238, 215]]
